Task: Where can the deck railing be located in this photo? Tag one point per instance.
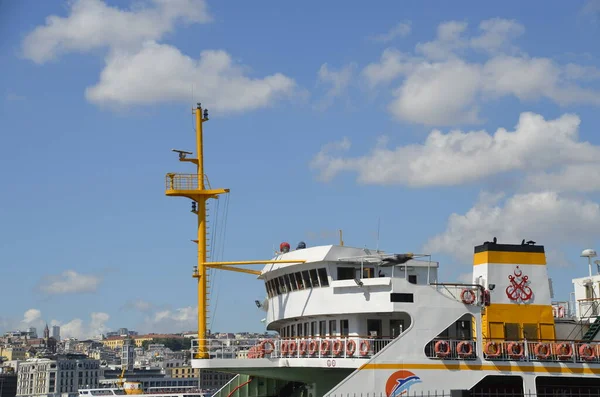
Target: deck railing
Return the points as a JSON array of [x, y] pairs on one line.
[[184, 182], [589, 307], [557, 351], [451, 349], [345, 347]]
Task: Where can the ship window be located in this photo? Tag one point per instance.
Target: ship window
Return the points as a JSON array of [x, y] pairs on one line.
[[267, 288], [277, 286], [400, 297], [273, 288], [286, 279], [412, 278], [345, 273], [332, 327], [291, 281], [368, 272], [299, 329], [299, 282], [344, 328], [511, 330], [323, 277], [313, 328], [283, 286], [322, 328], [314, 278], [306, 279], [287, 331], [530, 331], [306, 329]]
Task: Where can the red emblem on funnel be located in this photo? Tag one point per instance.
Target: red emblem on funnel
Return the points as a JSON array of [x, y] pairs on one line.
[[518, 290]]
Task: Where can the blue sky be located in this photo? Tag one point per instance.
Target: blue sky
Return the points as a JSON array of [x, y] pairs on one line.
[[450, 123]]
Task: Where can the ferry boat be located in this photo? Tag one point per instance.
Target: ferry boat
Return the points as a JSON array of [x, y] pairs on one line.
[[353, 321], [134, 389]]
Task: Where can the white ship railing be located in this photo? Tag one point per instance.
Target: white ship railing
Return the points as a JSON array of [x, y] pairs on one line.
[[553, 351], [340, 347]]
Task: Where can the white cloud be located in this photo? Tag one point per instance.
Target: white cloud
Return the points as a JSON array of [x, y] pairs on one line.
[[77, 328], [140, 70], [70, 282], [441, 87], [337, 80], [545, 216], [459, 157], [177, 320], [392, 64], [497, 34], [93, 24], [221, 84], [32, 317], [438, 94], [449, 39], [571, 178], [402, 29]]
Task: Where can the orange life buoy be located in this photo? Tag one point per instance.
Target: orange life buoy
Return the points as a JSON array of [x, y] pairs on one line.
[[302, 348], [284, 347], [464, 349], [324, 347], [467, 296], [442, 348], [350, 347], [515, 350], [267, 346], [542, 350], [312, 347], [564, 350], [586, 352], [293, 346], [337, 347], [365, 346], [492, 349]]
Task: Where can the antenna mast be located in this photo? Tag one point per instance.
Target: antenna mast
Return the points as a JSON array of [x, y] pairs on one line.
[[193, 186]]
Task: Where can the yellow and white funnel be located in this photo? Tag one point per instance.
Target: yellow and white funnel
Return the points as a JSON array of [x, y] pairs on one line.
[[521, 306]]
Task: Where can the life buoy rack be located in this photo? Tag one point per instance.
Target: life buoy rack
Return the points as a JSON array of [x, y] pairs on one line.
[[515, 350], [284, 347], [337, 347], [266, 346], [313, 347], [442, 348], [564, 350], [542, 350], [467, 296], [324, 347], [350, 348], [293, 346], [492, 349], [464, 349], [302, 347], [587, 352], [365, 346]]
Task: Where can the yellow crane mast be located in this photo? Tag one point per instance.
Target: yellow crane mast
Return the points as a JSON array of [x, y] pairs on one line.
[[197, 188]]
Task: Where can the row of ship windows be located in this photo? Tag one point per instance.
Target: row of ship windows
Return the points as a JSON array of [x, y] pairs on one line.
[[310, 329], [305, 279]]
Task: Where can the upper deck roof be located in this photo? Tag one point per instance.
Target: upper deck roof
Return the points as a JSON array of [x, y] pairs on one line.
[[333, 253]]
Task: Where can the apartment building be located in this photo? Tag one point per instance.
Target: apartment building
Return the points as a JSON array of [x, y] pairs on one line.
[[53, 376]]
